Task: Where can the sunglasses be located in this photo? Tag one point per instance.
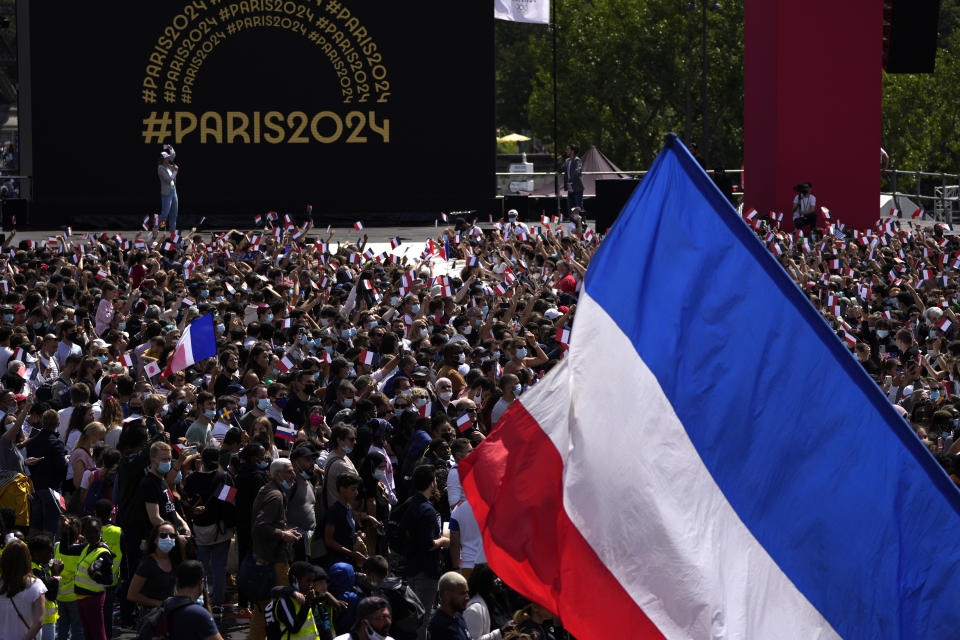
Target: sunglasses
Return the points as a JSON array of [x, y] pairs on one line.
[[166, 535]]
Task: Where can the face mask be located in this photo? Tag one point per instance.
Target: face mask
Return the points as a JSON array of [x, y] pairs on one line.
[[485, 310], [461, 358], [269, 317], [521, 353], [163, 467], [179, 478], [204, 293], [122, 326], [421, 402], [934, 395], [304, 339], [347, 449], [373, 635], [394, 300], [166, 544], [8, 317], [286, 485], [242, 402], [37, 325], [352, 372], [467, 330], [495, 355], [221, 327], [406, 392], [380, 475], [373, 323], [146, 394], [316, 420], [263, 404], [882, 333], [329, 350], [345, 333], [282, 403], [445, 395], [102, 359], [415, 309], [424, 334], [348, 402], [516, 389], [262, 464], [305, 475], [210, 414]]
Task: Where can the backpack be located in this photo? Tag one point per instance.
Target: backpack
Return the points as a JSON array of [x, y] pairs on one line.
[[101, 569], [405, 607], [399, 538], [156, 624]]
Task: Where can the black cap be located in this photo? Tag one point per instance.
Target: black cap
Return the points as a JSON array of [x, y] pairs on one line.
[[235, 390], [420, 372], [302, 452], [369, 606]]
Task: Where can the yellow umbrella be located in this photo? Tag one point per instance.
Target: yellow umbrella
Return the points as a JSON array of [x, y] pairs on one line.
[[513, 137]]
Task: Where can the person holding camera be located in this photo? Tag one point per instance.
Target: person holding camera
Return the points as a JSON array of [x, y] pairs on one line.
[[804, 207], [167, 172]]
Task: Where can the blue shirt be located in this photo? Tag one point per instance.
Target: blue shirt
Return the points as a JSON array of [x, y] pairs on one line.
[[423, 524], [50, 472], [445, 627], [192, 622]]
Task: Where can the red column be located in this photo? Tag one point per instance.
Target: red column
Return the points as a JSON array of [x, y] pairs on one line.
[[812, 94]]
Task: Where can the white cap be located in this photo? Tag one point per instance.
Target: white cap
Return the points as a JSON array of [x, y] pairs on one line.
[[512, 212], [164, 155], [552, 314]]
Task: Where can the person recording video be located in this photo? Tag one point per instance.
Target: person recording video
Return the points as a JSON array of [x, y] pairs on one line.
[[167, 171], [804, 207]]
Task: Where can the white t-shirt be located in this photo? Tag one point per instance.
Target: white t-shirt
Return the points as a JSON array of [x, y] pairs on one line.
[[471, 542], [498, 410], [455, 494], [10, 624], [808, 204]]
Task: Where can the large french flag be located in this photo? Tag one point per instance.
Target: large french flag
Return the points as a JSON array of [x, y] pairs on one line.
[[198, 342], [710, 461]]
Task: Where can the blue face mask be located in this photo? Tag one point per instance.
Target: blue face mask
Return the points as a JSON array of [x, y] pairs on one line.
[[122, 326], [485, 310], [163, 467], [394, 300], [517, 389], [221, 327], [263, 404], [304, 339], [521, 353], [269, 317], [282, 403], [415, 308], [934, 395], [346, 333], [179, 478], [347, 449], [262, 464], [286, 485], [38, 325], [882, 333], [210, 414], [8, 317], [166, 544], [204, 293], [102, 359]]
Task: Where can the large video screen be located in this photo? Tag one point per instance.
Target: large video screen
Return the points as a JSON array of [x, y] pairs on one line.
[[270, 104]]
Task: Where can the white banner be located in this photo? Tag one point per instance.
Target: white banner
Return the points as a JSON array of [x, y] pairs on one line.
[[536, 11]]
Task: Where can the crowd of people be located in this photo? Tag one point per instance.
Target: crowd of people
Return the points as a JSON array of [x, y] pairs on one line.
[[304, 478]]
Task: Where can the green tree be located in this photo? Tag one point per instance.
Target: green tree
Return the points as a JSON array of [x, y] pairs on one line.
[[628, 73]]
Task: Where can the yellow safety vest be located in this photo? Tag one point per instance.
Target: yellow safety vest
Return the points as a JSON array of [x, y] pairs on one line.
[[70, 562], [82, 580], [50, 608], [309, 629], [110, 534]]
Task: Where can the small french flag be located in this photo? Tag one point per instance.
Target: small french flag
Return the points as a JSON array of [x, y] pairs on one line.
[[358, 225], [394, 243], [944, 324], [366, 357], [563, 336], [286, 433], [443, 216], [285, 364], [126, 359], [464, 424], [58, 499], [257, 219], [227, 494]]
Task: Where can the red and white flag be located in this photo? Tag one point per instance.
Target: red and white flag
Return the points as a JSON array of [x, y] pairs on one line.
[[58, 499], [944, 324], [151, 368], [358, 225], [285, 364], [464, 423], [227, 494], [126, 359], [366, 357]]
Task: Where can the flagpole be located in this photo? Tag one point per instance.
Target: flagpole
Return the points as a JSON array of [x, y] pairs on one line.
[[556, 147]]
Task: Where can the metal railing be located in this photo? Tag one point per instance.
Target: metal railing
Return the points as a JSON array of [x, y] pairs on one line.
[[942, 190]]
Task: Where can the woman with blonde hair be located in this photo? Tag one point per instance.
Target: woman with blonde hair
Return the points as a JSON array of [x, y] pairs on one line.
[[111, 417], [22, 602]]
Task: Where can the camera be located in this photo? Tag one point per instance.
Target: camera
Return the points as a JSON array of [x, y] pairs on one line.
[[802, 187]]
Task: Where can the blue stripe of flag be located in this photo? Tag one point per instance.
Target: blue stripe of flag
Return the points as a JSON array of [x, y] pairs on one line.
[[203, 339], [802, 443]]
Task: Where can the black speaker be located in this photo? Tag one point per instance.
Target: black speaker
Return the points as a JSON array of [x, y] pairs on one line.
[[520, 203], [910, 35], [612, 195], [16, 214]]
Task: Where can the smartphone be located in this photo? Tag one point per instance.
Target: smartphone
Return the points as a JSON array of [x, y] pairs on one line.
[[189, 451], [888, 380]]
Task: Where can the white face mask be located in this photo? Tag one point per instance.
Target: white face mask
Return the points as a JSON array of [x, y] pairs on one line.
[[380, 475], [467, 330], [445, 395], [373, 635]]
